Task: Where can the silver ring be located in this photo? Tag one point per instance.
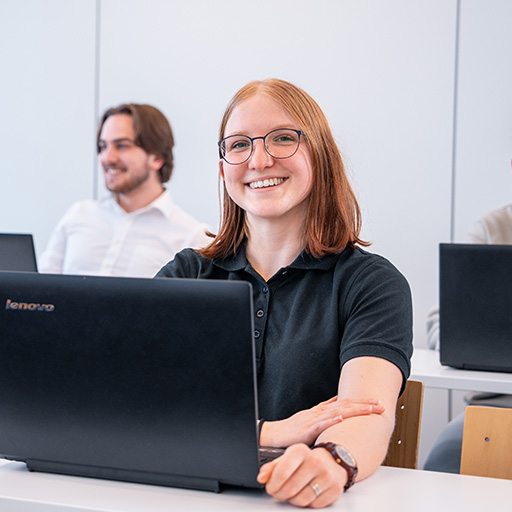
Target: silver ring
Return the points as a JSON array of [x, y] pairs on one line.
[[316, 488]]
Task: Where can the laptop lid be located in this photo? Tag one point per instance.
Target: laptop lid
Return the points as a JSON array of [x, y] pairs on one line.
[[17, 252], [144, 380], [475, 306]]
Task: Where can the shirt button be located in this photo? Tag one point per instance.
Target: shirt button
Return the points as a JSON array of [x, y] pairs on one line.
[[284, 272], [265, 289], [256, 334], [260, 313]]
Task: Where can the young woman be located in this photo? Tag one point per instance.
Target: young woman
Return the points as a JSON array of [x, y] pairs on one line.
[[330, 318]]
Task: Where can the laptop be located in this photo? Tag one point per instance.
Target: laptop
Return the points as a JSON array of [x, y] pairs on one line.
[[142, 380], [475, 306], [17, 253]]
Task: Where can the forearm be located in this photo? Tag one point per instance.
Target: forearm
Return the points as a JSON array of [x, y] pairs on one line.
[[365, 437]]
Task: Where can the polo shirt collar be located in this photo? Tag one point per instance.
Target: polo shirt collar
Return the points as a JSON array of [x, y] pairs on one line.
[[303, 261]]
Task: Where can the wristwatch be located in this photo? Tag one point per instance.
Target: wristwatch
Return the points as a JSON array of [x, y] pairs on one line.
[[344, 459]]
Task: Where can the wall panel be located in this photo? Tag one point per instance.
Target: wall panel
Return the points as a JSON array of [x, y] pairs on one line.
[[484, 104], [46, 134]]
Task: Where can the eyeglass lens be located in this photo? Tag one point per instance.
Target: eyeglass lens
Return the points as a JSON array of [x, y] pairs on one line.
[[283, 143]]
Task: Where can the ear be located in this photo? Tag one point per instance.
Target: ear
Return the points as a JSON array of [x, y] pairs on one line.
[[221, 168], [155, 162]]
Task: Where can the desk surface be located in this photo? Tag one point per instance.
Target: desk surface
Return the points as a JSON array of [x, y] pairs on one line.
[[389, 490], [427, 368]]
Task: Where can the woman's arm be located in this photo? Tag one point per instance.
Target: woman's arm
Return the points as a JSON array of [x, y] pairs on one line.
[[305, 426], [294, 476]]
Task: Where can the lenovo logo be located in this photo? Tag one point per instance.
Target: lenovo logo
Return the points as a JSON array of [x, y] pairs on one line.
[[29, 306]]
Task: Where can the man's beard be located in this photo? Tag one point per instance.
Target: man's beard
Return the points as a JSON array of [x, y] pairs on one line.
[[129, 184]]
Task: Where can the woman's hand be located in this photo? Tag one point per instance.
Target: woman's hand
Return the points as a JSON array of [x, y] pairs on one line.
[[305, 426], [304, 477]]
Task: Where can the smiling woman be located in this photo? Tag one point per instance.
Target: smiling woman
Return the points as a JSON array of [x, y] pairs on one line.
[[333, 323]]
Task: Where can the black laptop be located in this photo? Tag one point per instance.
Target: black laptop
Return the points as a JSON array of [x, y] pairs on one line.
[[17, 252], [475, 306], [143, 380]]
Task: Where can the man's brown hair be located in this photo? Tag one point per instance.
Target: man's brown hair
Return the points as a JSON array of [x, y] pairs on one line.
[[153, 133]]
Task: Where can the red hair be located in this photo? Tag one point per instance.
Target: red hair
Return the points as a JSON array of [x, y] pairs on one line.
[[333, 219]]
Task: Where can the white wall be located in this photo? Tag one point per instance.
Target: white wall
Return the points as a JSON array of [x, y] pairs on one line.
[[384, 73], [484, 105], [47, 90]]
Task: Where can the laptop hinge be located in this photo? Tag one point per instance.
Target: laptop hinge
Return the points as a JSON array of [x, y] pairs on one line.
[[125, 475]]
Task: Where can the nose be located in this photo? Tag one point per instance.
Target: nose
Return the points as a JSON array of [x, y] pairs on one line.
[[260, 159], [108, 155]]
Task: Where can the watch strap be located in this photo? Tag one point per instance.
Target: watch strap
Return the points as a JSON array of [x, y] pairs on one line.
[[350, 468]]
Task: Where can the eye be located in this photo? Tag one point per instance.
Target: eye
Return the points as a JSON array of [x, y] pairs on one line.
[[238, 144], [284, 137]]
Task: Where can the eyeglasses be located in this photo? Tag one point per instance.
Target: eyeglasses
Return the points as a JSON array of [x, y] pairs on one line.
[[282, 143]]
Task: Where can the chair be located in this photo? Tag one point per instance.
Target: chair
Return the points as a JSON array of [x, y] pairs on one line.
[[405, 441], [487, 442]]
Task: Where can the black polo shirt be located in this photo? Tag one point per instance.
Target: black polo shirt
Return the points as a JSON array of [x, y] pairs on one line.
[[312, 317]]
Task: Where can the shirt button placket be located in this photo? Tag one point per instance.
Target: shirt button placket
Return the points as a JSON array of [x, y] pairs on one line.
[[261, 307]]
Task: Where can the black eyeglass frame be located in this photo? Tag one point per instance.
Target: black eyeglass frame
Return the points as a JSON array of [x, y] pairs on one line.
[[264, 139]]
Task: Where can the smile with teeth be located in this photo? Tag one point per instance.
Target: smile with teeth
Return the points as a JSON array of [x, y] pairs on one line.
[[112, 171], [271, 182]]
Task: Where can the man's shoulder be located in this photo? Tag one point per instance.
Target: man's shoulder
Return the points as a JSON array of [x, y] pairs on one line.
[[503, 214], [84, 205], [176, 214]]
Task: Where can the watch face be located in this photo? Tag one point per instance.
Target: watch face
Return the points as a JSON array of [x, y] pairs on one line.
[[345, 456]]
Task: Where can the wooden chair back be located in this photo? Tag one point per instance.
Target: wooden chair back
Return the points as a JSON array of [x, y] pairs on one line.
[[405, 441], [487, 442]]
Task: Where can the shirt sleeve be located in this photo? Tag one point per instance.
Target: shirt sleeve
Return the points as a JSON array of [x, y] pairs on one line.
[[51, 260], [186, 264], [378, 316]]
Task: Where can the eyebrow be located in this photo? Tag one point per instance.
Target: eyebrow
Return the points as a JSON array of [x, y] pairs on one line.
[[122, 139], [281, 127]]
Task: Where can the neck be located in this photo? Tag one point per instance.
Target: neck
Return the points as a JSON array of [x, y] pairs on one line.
[[138, 198], [271, 247]]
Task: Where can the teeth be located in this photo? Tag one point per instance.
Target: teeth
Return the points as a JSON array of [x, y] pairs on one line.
[[272, 182]]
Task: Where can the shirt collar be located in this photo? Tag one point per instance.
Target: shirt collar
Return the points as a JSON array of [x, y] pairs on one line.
[[303, 261], [162, 203]]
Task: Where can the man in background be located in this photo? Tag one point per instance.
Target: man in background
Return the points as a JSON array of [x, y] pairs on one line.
[[136, 229]]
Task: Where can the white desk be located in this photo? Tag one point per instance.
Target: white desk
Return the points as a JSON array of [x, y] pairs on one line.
[[427, 368], [389, 490]]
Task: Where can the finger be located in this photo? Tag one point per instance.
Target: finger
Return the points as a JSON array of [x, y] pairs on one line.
[[322, 425], [266, 471], [286, 466], [361, 410], [337, 412], [319, 498], [325, 499], [350, 401], [330, 401], [368, 406], [310, 480]]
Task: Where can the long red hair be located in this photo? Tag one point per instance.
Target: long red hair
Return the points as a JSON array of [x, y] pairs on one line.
[[334, 218]]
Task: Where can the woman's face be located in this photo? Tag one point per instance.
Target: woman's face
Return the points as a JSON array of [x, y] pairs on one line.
[[263, 186]]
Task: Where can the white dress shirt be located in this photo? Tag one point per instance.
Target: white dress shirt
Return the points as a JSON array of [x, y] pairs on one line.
[[493, 228], [100, 238]]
